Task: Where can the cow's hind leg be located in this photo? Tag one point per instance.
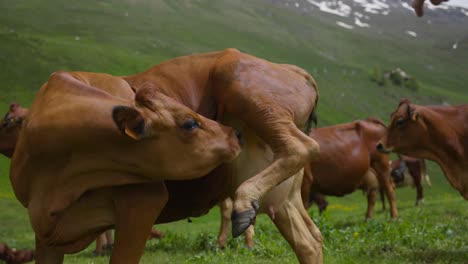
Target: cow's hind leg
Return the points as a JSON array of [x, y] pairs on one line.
[[136, 208], [382, 170], [292, 149], [419, 189], [382, 197], [296, 226], [371, 198], [300, 232]]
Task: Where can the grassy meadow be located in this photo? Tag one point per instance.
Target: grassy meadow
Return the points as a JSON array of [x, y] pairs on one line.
[[127, 36]]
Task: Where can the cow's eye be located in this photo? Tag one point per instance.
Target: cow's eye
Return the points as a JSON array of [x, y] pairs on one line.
[[399, 122], [190, 124]]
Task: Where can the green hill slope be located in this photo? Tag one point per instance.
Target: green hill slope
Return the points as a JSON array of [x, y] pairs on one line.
[[124, 37]]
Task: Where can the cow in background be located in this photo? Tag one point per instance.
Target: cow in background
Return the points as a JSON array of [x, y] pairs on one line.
[[437, 133], [408, 171], [320, 200], [348, 161]]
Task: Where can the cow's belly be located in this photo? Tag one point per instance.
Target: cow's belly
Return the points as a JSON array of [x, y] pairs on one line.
[[255, 157], [340, 184]]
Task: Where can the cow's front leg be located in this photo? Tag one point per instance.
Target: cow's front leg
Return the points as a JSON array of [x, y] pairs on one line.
[[292, 149], [47, 255], [136, 208], [225, 207]]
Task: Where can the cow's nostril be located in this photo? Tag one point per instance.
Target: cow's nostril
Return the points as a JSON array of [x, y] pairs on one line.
[[239, 136], [380, 147]]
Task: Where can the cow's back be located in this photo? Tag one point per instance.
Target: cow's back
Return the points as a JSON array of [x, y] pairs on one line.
[[343, 159]]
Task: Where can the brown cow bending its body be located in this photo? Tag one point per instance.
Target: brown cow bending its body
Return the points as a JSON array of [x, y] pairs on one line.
[[437, 133], [110, 156]]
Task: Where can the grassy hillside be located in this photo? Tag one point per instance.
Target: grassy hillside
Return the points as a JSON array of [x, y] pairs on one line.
[[127, 36]]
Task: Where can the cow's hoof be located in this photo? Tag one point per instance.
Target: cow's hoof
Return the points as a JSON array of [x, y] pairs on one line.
[[241, 221], [97, 254]]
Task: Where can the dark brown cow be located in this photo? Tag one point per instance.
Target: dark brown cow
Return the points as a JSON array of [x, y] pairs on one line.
[[408, 171], [13, 256], [437, 133], [348, 161]]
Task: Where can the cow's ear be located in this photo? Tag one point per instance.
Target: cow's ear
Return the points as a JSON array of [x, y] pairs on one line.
[[415, 116], [129, 121]]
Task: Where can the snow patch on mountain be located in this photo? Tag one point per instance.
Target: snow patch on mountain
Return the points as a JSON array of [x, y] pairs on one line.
[[411, 33], [359, 23], [342, 24], [333, 7]]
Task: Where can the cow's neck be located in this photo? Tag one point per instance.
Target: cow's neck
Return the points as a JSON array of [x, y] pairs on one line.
[[448, 149]]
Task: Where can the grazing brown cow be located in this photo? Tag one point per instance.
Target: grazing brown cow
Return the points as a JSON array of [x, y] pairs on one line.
[[348, 161], [10, 128], [13, 256], [408, 171], [271, 104], [9, 131], [437, 133], [86, 154]]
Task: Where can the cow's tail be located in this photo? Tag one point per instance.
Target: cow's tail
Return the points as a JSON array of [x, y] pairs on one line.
[[424, 173], [313, 115]]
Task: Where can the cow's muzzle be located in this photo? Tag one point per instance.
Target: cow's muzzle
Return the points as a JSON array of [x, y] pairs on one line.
[[381, 148]]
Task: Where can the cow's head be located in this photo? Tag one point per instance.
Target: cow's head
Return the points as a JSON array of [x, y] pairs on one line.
[[407, 131], [176, 139], [10, 128]]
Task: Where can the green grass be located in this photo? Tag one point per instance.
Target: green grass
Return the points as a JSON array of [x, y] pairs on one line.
[[124, 37], [432, 233]]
